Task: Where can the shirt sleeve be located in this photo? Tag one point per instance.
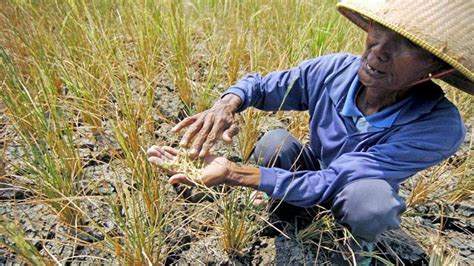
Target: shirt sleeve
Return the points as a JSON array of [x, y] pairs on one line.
[[288, 89], [412, 148]]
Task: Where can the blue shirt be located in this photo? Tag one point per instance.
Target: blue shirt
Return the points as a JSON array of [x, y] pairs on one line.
[[420, 131]]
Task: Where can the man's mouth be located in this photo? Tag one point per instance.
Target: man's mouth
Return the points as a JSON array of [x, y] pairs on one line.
[[373, 72], [372, 69]]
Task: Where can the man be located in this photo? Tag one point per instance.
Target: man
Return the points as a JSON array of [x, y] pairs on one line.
[[375, 120]]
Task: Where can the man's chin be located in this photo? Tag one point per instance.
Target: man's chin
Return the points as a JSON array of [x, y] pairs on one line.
[[368, 81]]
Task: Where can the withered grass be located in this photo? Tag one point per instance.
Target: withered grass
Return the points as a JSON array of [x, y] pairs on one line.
[[95, 66]]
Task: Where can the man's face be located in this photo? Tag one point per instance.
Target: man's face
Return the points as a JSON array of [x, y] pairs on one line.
[[391, 62]]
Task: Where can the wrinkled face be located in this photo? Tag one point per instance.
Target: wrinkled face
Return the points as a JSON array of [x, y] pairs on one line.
[[393, 63]]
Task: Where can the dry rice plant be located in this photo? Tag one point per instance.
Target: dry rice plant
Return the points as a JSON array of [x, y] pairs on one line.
[[238, 220], [433, 240], [238, 224], [183, 163], [96, 65], [323, 233], [249, 133], [144, 222], [463, 188], [140, 209], [139, 206], [238, 53], [428, 183], [192, 168], [442, 255], [451, 180], [299, 125], [51, 160], [329, 237], [179, 38]]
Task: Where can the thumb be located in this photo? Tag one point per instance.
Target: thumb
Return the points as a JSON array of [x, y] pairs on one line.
[[230, 133], [180, 179]]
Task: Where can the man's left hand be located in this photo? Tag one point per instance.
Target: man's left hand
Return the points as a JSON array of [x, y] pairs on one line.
[[216, 169]]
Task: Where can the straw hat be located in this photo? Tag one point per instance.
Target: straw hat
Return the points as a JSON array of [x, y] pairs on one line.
[[443, 27]]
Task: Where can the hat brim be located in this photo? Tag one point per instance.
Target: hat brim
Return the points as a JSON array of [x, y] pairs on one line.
[[361, 19]]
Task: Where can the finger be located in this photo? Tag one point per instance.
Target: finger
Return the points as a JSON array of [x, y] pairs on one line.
[[191, 132], [171, 150], [166, 154], [154, 151], [180, 179], [202, 136], [156, 161], [184, 123], [210, 141], [162, 165], [230, 133]]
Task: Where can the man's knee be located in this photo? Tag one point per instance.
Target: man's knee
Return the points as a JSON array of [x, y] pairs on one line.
[[368, 207], [272, 146]]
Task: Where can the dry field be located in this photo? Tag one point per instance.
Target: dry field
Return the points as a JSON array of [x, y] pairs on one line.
[[88, 86]]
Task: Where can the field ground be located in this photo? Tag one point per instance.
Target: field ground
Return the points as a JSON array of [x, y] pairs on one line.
[[88, 86]]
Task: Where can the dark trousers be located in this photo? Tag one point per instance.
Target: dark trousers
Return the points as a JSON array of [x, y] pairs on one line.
[[367, 207]]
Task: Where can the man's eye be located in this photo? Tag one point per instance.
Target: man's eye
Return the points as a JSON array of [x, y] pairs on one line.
[[409, 44]]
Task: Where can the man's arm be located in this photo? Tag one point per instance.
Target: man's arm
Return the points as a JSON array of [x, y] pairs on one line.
[[279, 90], [244, 175]]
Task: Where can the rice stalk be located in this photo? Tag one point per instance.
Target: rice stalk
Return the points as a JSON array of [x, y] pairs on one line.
[[428, 183], [51, 160], [179, 38], [237, 56], [442, 255], [238, 221], [249, 133], [299, 125], [139, 207], [463, 188], [440, 252]]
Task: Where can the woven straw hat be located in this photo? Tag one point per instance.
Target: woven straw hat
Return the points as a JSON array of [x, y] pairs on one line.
[[443, 27]]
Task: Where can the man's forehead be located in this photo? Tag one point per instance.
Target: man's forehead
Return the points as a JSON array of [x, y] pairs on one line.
[[379, 28]]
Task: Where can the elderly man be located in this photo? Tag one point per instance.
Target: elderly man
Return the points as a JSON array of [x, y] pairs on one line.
[[375, 120]]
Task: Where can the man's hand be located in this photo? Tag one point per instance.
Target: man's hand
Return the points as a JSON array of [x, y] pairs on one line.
[[204, 129], [216, 169]]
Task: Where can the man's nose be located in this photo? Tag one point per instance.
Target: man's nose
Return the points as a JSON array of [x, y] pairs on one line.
[[382, 50]]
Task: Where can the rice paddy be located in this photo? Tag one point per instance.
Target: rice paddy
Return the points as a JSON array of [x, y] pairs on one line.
[[88, 86]]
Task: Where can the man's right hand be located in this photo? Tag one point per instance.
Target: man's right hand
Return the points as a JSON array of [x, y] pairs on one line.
[[205, 128]]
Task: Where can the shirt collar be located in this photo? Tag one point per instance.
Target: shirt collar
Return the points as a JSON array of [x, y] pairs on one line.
[[382, 119]]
